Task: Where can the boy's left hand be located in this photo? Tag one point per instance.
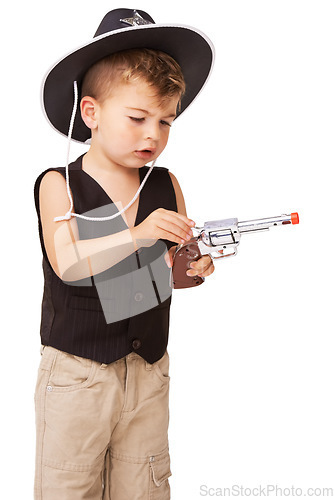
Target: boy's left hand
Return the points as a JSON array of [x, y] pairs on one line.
[[202, 267]]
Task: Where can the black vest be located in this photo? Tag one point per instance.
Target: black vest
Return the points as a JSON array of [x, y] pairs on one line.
[[73, 319]]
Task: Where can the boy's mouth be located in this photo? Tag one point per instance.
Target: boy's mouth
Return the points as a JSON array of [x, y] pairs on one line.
[[144, 154]]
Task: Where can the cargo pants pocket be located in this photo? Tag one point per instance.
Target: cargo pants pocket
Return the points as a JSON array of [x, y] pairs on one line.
[[159, 474]]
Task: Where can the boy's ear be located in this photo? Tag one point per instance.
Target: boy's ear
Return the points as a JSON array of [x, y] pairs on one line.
[[88, 107]]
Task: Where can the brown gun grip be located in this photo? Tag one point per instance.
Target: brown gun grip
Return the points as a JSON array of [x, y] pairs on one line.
[[184, 256]]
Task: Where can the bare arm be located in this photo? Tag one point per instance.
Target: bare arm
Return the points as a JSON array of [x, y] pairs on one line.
[[204, 266], [74, 259], [181, 206], [71, 258]]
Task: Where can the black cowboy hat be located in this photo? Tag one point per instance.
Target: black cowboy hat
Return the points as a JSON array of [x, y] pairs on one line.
[[123, 29]]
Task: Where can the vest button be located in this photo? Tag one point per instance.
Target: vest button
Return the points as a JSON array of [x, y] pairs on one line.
[[139, 296], [136, 344]]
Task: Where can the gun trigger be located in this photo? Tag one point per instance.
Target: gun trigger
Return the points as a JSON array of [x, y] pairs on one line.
[[222, 256]]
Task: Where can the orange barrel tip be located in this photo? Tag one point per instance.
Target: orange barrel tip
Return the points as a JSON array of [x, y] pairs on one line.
[[295, 218]]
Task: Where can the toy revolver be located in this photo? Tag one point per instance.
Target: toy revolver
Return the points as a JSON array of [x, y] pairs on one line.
[[218, 236]]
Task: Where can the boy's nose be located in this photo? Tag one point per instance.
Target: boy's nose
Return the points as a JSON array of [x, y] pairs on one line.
[[153, 132]]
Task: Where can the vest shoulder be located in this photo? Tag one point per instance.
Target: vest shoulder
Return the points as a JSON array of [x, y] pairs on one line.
[[159, 174], [161, 169], [74, 165]]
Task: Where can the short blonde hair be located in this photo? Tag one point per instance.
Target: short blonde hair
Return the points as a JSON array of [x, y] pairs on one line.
[[157, 68]]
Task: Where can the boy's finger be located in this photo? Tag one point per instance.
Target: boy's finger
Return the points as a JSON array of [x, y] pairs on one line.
[[200, 266], [172, 251], [203, 262], [169, 256], [184, 218], [167, 259]]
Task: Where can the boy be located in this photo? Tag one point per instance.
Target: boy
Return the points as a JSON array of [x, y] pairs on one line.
[[102, 389]]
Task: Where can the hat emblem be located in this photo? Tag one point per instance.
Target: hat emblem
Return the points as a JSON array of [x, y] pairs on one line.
[[136, 20]]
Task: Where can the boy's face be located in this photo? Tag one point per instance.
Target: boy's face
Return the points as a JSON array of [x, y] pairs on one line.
[[131, 128]]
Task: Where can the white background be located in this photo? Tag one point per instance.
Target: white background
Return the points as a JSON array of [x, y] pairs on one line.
[[251, 350]]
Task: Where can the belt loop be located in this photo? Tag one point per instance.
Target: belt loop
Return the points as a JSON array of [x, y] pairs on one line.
[[42, 349], [148, 366], [103, 366]]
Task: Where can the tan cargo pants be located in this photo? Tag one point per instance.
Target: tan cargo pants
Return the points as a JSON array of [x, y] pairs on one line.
[[101, 429]]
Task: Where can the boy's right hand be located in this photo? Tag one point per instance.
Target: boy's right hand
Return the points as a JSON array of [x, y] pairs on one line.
[[163, 224]]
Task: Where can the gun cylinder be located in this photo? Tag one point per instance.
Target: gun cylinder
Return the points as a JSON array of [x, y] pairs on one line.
[[221, 237]]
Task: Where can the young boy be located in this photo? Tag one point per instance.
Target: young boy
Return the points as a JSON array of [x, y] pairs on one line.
[[102, 389]]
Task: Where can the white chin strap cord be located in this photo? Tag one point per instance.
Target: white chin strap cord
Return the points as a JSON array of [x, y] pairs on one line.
[[70, 214]]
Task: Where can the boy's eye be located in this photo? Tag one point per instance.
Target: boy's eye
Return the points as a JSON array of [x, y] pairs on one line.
[[135, 119], [139, 120]]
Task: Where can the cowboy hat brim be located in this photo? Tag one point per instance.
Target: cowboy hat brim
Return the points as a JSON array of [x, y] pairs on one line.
[[189, 47]]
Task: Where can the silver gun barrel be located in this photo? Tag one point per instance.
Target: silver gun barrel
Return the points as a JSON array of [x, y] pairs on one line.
[[256, 225]]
